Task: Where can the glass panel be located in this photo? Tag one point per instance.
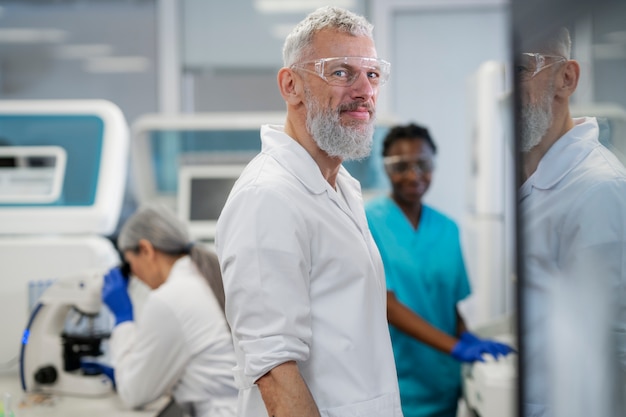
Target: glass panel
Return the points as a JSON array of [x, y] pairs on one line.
[[572, 214]]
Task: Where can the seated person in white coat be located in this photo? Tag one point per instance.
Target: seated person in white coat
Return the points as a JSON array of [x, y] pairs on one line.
[[181, 343]]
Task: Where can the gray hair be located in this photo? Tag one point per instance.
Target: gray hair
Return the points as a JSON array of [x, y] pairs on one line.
[[557, 42], [299, 41], [159, 225]]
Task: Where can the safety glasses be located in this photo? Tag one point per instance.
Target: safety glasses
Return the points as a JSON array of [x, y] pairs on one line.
[[531, 64], [344, 71], [400, 165]]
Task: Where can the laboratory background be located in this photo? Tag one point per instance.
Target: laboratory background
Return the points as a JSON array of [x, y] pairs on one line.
[[108, 104]]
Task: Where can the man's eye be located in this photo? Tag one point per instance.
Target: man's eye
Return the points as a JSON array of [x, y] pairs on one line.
[[373, 74], [340, 73], [520, 69]]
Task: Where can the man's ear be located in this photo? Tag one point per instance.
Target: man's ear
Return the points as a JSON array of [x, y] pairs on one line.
[[290, 86], [568, 80]]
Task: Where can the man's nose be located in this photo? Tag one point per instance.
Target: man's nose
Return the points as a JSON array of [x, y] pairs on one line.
[[362, 86]]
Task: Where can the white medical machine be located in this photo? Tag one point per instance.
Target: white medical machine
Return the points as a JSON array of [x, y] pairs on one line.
[[202, 193], [189, 162], [490, 387], [62, 179]]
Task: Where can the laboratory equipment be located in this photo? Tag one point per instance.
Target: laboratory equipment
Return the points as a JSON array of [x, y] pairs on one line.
[[79, 149], [50, 358], [202, 193], [7, 406], [163, 144], [490, 387], [73, 155], [170, 151]]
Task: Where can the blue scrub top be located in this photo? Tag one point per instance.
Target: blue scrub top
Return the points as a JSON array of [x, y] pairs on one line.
[[424, 269]]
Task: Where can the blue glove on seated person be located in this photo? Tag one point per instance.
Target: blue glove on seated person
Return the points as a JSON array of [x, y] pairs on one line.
[[97, 368], [470, 348], [115, 295]]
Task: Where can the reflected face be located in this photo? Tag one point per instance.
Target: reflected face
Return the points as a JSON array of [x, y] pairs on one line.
[[409, 165], [537, 96], [536, 117], [341, 118]]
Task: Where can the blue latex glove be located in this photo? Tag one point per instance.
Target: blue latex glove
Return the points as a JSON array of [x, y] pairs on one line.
[[470, 348], [496, 348], [96, 368], [115, 296]]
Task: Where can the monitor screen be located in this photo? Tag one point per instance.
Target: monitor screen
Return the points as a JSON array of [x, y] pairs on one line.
[[202, 193], [208, 196]]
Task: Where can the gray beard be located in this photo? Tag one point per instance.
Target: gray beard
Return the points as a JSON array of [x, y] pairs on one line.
[[345, 142], [535, 121]]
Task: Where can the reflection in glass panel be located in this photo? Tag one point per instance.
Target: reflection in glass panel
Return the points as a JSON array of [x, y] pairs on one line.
[[572, 210]]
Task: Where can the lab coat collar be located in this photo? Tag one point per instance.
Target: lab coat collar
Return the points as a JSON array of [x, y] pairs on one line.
[[181, 267], [564, 155], [283, 148]]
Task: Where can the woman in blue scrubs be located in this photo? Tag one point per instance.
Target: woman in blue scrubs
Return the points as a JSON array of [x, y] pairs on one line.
[[426, 278]]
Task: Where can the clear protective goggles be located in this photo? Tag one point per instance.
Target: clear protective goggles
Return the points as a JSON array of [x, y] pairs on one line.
[[400, 165], [344, 71], [530, 64]]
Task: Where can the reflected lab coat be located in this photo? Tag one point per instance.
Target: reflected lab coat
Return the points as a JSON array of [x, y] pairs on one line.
[[574, 216], [181, 343], [304, 282]]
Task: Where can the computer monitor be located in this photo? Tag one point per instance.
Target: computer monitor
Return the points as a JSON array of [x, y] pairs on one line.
[[202, 193]]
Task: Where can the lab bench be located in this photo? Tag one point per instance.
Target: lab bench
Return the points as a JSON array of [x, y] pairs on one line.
[[37, 405]]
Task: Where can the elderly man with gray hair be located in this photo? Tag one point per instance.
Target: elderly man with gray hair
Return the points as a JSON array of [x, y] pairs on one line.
[[304, 282]]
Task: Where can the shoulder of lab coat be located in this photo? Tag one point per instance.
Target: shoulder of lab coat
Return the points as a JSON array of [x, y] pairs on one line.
[[148, 356]]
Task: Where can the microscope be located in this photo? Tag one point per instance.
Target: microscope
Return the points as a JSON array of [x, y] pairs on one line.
[[50, 356]]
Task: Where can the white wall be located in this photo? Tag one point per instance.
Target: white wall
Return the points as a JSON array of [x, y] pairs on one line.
[[434, 46]]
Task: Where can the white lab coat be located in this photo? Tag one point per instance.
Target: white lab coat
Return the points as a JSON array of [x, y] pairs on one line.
[[304, 282], [180, 343], [573, 211]]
